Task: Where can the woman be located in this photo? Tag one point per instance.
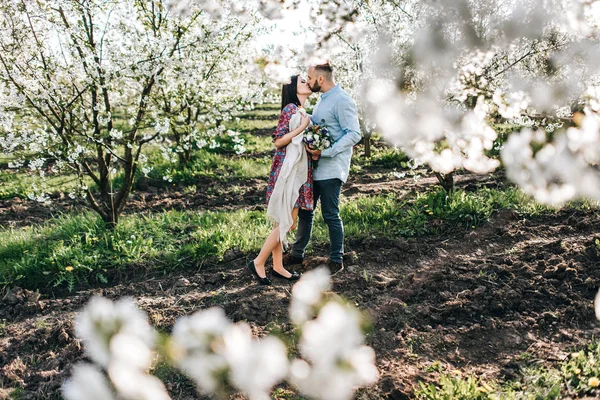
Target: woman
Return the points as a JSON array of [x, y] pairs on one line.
[[290, 180]]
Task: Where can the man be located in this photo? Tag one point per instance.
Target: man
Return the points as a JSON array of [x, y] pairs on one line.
[[341, 118]]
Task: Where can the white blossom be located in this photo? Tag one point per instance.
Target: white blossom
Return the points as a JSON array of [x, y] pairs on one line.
[[256, 365], [335, 360], [197, 345], [550, 173], [307, 294], [210, 348], [103, 321], [116, 336], [133, 383], [87, 382]]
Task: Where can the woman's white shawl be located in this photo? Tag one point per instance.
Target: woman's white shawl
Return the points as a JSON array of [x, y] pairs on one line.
[[292, 175]]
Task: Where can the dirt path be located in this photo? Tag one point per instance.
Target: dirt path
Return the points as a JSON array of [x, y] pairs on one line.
[[488, 301]]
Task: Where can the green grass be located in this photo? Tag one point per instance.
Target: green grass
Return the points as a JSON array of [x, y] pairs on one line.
[[390, 216], [264, 116], [207, 164], [79, 248], [13, 184], [577, 376], [259, 144], [245, 125], [382, 156], [273, 107]]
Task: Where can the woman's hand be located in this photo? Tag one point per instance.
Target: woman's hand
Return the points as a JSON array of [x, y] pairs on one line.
[[304, 122], [287, 138]]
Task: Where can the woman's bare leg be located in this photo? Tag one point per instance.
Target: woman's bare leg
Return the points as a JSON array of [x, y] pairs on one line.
[[278, 261], [294, 218], [270, 244], [278, 250]]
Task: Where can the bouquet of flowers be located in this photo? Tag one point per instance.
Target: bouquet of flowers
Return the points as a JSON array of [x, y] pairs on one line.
[[317, 137]]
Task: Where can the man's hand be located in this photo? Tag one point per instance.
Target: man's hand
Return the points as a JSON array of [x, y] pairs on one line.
[[315, 154]]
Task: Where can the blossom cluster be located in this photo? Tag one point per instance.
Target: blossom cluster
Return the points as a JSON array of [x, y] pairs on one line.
[[317, 137], [220, 356], [120, 342]]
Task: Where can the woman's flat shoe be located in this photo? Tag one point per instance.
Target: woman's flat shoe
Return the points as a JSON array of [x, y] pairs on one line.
[[295, 275], [252, 268]]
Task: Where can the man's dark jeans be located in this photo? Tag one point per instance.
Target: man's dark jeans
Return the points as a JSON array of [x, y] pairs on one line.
[[328, 191]]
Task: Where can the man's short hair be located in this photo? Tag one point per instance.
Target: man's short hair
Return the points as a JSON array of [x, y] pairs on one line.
[[326, 70]]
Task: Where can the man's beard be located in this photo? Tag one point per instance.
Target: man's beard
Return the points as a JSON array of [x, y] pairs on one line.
[[315, 88]]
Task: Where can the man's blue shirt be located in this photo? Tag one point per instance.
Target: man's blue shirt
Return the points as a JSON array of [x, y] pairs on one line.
[[341, 117]]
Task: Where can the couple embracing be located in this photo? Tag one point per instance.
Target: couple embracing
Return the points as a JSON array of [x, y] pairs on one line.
[[294, 186]]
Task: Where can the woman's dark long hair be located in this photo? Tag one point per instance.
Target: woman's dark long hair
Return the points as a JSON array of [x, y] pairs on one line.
[[289, 93]]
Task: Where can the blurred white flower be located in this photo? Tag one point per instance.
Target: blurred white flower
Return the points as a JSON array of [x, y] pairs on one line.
[[335, 361], [279, 73], [117, 336], [87, 382], [239, 149], [553, 175], [307, 293], [162, 126], [197, 343], [136, 384], [586, 138], [256, 365], [336, 329], [336, 382], [130, 351], [102, 320], [210, 349], [116, 134]]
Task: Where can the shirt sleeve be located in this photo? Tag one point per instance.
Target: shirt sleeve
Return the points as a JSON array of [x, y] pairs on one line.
[[347, 114], [283, 127]]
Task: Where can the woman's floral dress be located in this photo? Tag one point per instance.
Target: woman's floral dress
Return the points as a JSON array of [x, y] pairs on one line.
[[305, 198]]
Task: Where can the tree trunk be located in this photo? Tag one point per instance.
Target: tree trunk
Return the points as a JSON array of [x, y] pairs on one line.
[[366, 137], [111, 219], [446, 181], [106, 210], [368, 145], [184, 158]]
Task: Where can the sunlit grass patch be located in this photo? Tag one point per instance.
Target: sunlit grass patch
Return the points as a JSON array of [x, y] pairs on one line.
[[20, 183], [577, 376], [206, 164], [79, 248]]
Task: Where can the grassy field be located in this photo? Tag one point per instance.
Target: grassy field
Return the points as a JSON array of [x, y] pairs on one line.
[[81, 249]]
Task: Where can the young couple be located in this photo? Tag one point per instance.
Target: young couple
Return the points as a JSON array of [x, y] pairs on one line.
[[294, 188]]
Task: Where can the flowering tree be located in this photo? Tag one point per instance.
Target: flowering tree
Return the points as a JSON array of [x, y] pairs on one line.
[[469, 65], [215, 80], [220, 356], [81, 85]]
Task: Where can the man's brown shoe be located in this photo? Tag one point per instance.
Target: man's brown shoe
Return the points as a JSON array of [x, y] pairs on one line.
[[335, 267], [289, 259]]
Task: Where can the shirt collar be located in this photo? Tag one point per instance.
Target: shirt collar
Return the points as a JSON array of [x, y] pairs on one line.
[[330, 91]]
